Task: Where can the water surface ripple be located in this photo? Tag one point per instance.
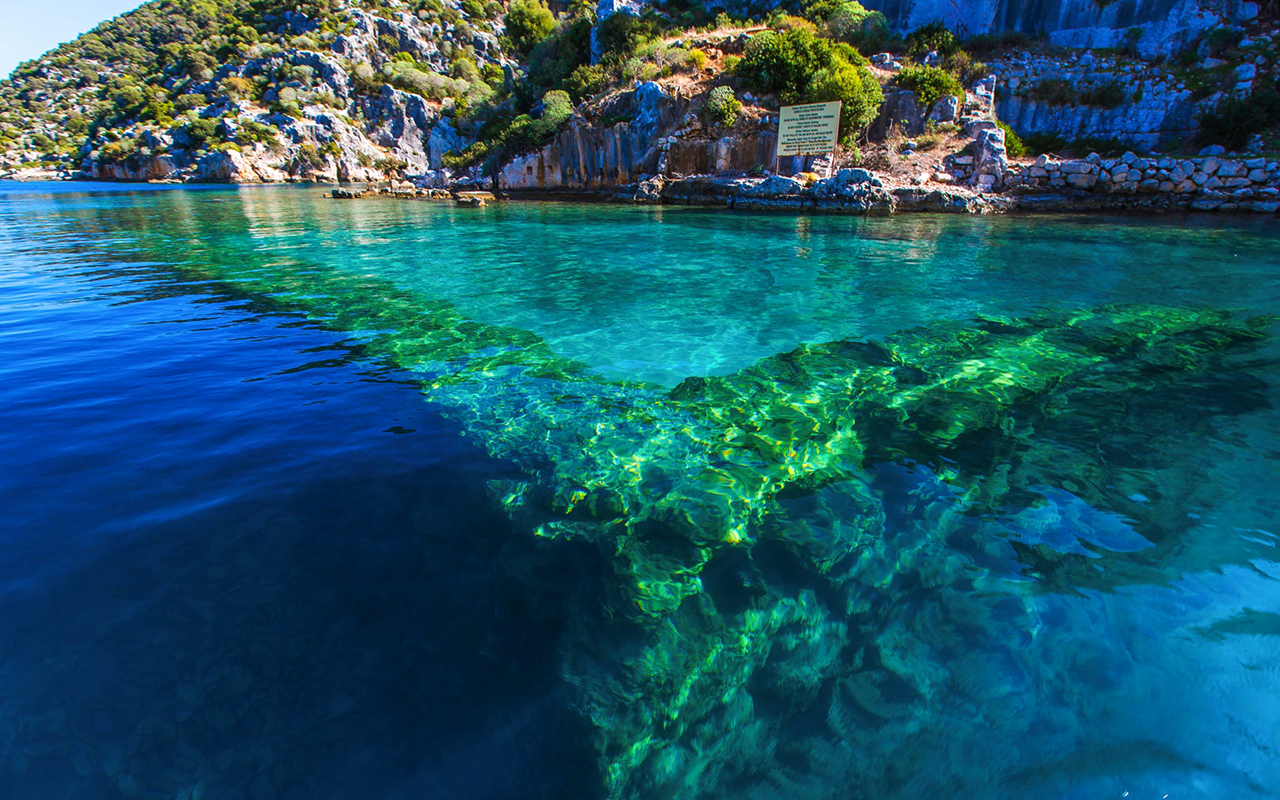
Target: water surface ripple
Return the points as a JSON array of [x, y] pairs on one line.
[[308, 499]]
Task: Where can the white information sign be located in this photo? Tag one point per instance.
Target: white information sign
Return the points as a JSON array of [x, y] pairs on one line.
[[808, 130]]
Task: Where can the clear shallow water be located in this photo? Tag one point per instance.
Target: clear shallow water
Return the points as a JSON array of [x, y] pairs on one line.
[[243, 557]]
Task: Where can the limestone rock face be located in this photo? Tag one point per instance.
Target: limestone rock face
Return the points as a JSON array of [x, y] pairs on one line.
[[900, 108], [403, 125], [1165, 25], [444, 138], [946, 109]]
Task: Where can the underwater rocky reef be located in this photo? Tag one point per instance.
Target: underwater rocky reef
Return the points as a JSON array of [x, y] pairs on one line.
[[797, 579]]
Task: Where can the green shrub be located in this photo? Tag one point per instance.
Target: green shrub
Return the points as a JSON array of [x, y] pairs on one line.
[[866, 30], [308, 155], [118, 152], [251, 131], [186, 102], [1106, 95], [566, 49], [556, 110], [964, 67], [929, 83], [856, 89], [585, 81], [1013, 144], [933, 36], [1235, 119], [783, 62], [803, 68], [985, 44], [820, 11], [723, 106], [1040, 143], [1054, 91], [621, 34], [528, 23], [201, 132], [390, 165], [365, 80]]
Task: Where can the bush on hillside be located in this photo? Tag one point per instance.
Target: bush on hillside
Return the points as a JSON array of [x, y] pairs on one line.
[[964, 67], [783, 62], [1235, 119], [1105, 95], [929, 83], [1013, 144], [621, 34], [566, 49], [528, 23], [929, 38], [585, 82], [856, 89], [199, 133], [801, 67], [866, 30], [723, 106]]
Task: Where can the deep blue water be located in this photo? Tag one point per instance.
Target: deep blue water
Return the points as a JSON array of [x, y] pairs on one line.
[[242, 556]]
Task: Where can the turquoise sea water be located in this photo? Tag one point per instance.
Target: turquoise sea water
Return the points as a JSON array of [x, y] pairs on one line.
[[321, 499]]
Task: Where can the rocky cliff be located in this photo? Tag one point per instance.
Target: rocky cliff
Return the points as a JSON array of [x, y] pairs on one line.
[[254, 92]]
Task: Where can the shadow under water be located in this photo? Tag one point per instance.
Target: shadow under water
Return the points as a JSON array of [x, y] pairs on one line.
[[854, 569]]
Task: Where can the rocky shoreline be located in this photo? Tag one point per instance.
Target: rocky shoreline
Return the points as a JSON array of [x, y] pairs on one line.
[[1092, 184], [1128, 184]]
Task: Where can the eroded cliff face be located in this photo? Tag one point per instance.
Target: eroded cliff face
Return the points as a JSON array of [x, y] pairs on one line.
[[664, 137], [1165, 25]]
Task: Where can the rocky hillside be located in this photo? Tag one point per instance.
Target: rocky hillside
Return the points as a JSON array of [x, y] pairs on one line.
[[255, 90]]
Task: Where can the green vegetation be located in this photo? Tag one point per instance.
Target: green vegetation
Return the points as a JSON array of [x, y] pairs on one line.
[[801, 67], [528, 23], [1054, 91], [1013, 144], [1105, 95], [930, 84], [1040, 143], [964, 67], [850, 22], [988, 44], [1062, 92], [933, 37], [1235, 120], [723, 106]]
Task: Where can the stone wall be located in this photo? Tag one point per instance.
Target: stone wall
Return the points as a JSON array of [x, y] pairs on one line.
[[1156, 106], [1201, 184]]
